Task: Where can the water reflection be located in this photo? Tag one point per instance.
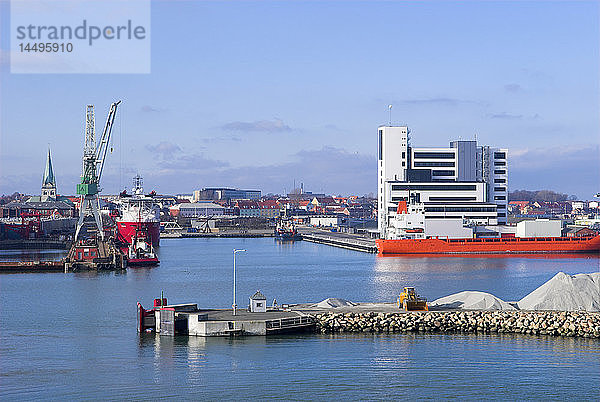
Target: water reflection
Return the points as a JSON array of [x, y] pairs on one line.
[[97, 274], [543, 256], [371, 365], [508, 277], [437, 263], [91, 317]]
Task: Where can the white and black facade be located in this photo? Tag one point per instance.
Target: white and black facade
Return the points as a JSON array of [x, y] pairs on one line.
[[464, 180]]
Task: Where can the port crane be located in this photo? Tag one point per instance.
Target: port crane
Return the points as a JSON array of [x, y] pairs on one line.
[[94, 157]]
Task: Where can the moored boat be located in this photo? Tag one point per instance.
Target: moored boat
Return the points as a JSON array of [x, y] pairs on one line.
[[138, 212], [140, 251], [286, 231]]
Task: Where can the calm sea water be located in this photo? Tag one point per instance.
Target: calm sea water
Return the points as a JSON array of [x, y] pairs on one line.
[[73, 336]]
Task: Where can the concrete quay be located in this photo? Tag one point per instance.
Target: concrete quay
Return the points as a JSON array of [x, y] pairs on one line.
[[241, 233], [188, 319], [223, 322], [337, 239], [550, 323]]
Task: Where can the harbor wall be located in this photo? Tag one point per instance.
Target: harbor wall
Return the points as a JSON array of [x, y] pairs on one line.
[[342, 241], [574, 324], [222, 328]]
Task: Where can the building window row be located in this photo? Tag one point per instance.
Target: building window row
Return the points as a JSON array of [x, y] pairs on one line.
[[499, 171], [460, 217], [435, 187], [499, 188], [500, 163], [434, 164], [499, 155], [433, 155], [499, 181], [500, 197], [460, 209], [452, 198], [442, 172]]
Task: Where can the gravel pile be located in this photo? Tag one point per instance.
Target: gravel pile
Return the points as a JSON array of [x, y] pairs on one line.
[[470, 300], [565, 293], [334, 303]]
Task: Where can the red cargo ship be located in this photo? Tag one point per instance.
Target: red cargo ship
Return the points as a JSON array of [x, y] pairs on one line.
[[504, 245], [139, 213]]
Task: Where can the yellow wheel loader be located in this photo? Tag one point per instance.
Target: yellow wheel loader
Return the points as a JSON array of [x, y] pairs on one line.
[[409, 300]]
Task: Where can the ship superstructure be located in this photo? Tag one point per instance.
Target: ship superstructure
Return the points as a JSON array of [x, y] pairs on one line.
[[138, 212]]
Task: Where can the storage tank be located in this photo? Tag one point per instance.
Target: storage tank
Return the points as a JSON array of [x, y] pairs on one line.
[[539, 228]]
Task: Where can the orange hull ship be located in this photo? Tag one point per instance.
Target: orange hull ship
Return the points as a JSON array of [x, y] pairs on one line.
[[584, 244]]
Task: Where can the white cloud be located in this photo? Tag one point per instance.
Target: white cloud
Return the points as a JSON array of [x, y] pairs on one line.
[[270, 126]]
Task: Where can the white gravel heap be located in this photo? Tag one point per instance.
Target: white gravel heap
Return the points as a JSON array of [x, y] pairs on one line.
[[565, 293], [334, 303], [471, 300]]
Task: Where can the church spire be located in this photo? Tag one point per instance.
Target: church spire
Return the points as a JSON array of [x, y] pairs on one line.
[[49, 179], [48, 182]]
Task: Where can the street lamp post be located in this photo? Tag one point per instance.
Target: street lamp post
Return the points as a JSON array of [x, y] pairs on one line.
[[235, 251]]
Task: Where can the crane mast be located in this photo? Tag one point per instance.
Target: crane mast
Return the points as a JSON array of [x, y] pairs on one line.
[[93, 165]]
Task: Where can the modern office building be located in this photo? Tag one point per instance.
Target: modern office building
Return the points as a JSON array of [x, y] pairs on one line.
[[228, 194], [464, 180]]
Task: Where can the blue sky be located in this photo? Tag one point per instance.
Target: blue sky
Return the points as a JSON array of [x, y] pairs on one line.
[[259, 94]]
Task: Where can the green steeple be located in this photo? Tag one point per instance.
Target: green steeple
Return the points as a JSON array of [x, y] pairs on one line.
[[49, 173]]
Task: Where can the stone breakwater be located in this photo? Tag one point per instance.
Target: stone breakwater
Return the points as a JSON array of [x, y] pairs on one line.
[[576, 324]]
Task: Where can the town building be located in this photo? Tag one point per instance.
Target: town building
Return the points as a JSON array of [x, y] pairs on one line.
[[197, 209], [46, 205], [269, 209], [47, 214], [332, 221], [248, 208], [224, 193], [463, 181]]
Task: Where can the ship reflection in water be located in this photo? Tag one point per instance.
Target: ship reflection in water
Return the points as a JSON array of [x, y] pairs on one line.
[[509, 277]]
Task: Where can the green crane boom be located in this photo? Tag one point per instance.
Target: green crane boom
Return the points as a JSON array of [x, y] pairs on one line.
[[93, 165]]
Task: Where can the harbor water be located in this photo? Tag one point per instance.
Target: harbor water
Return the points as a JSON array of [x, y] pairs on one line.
[[73, 336]]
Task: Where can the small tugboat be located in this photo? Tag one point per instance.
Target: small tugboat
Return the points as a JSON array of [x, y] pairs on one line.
[[286, 231], [140, 251]]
